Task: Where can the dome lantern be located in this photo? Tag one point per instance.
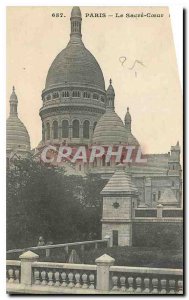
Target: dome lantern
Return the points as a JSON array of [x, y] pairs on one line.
[[13, 103], [128, 120], [75, 24]]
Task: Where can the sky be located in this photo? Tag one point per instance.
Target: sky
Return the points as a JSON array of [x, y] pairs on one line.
[[151, 90]]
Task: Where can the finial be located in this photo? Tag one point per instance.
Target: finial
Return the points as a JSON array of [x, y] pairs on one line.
[[127, 109], [13, 88], [110, 81], [76, 19]]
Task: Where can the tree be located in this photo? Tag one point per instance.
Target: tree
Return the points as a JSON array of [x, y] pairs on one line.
[[44, 201]]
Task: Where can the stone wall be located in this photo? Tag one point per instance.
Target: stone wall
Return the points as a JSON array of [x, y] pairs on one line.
[[154, 234], [124, 233]]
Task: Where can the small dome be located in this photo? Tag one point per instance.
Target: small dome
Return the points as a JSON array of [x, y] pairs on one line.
[[17, 135], [131, 140], [110, 90], [76, 12], [109, 130]]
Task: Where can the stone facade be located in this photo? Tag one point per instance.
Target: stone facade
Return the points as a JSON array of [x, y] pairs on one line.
[[119, 201], [78, 110]]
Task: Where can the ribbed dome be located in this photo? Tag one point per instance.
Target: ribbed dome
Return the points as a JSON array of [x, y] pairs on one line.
[[110, 130], [75, 66], [17, 135], [131, 140]]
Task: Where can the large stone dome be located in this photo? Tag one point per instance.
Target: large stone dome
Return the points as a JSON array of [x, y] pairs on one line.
[[74, 97], [110, 130], [75, 66], [17, 135]]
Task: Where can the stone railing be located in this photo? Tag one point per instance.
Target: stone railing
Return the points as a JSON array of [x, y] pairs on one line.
[[158, 212], [142, 280], [28, 276], [50, 249]]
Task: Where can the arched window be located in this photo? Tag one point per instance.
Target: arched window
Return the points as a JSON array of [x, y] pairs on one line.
[[154, 197], [102, 99], [159, 194], [65, 94], [48, 131], [76, 94], [86, 129], [75, 125], [65, 129], [86, 95], [48, 97], [103, 160], [95, 96], [55, 95], [55, 130], [94, 125], [95, 162]]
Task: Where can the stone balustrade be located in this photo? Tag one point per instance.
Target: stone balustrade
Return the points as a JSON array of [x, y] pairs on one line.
[[64, 275], [134, 280], [13, 271], [30, 277], [47, 250]]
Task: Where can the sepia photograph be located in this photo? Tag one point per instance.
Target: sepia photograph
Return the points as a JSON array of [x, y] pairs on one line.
[[94, 151]]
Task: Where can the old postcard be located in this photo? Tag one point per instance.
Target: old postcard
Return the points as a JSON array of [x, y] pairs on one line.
[[94, 151]]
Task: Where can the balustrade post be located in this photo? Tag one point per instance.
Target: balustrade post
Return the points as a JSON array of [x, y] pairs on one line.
[[27, 259], [103, 272], [159, 210]]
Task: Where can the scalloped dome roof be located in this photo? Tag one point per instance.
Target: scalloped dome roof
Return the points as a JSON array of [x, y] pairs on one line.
[[75, 65], [17, 134], [110, 130]]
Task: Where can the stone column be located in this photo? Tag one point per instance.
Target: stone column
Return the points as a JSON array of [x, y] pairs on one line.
[[27, 259], [103, 272], [81, 132], [159, 210], [70, 132], [51, 132], [90, 132], [148, 191], [59, 130]]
